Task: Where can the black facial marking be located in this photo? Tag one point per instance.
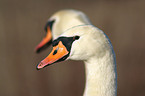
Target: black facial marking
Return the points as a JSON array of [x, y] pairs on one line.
[[67, 42], [55, 42], [50, 24]]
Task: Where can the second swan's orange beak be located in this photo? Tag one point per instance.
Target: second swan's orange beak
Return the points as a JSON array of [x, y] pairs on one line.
[[59, 52], [45, 40]]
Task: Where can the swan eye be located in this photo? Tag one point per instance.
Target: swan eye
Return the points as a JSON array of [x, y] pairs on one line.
[[76, 37], [55, 51]]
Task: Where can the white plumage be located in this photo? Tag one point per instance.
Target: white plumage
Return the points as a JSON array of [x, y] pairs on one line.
[[96, 51], [66, 19], [93, 47]]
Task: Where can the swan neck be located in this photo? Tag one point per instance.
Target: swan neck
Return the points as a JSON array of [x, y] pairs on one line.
[[100, 76]]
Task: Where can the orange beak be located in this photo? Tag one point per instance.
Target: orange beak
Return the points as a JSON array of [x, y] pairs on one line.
[[45, 40], [59, 52]]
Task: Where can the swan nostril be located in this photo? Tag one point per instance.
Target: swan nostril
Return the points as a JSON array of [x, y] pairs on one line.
[[55, 51]]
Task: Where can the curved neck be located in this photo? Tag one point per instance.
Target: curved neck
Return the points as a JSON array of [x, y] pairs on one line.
[[100, 76]]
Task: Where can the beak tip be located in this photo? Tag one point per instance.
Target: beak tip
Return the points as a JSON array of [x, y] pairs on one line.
[[40, 65], [37, 68], [37, 50]]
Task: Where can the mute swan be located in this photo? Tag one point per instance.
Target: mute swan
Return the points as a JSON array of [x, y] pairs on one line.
[[90, 44], [59, 22]]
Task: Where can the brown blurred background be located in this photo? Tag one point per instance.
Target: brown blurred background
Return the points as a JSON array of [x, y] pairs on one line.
[[22, 28]]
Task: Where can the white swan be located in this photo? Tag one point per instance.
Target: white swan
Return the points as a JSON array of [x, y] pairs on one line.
[[90, 44], [59, 22]]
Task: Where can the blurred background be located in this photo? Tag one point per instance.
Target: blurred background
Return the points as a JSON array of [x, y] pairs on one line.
[[22, 28]]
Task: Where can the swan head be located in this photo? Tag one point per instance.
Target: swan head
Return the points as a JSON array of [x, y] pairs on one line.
[[77, 43], [58, 23]]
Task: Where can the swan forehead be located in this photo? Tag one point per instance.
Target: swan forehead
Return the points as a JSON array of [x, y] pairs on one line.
[[76, 30], [67, 12]]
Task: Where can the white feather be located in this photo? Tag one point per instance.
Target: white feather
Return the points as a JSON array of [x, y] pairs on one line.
[[94, 48], [66, 19]]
